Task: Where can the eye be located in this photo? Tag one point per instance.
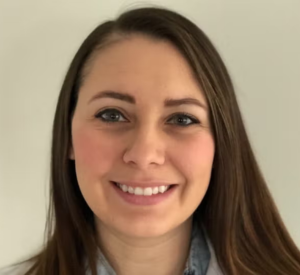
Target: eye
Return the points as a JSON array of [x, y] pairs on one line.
[[110, 116], [184, 120]]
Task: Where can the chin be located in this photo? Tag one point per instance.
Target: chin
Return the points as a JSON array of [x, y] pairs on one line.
[[145, 231], [142, 227]]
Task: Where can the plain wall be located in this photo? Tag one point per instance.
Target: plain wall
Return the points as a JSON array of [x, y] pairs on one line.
[[258, 39]]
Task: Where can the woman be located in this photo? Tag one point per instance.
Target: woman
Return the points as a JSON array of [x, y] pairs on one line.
[[152, 170]]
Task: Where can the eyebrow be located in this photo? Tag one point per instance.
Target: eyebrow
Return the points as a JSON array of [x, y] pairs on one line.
[[169, 102]]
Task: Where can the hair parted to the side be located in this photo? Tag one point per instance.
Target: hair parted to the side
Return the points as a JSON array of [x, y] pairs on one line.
[[238, 212]]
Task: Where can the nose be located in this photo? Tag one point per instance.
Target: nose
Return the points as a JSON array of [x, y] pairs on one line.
[[146, 148]]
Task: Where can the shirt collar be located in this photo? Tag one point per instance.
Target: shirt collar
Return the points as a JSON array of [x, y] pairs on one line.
[[199, 255]]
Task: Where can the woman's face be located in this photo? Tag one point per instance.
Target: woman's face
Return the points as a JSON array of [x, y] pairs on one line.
[[132, 125]]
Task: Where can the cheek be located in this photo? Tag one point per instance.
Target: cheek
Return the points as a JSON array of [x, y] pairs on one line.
[[94, 151], [194, 160], [195, 157]]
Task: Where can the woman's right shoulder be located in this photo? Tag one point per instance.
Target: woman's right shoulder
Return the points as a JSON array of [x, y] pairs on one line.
[[19, 269]]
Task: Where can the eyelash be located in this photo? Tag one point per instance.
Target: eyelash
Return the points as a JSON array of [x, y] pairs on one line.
[[100, 116]]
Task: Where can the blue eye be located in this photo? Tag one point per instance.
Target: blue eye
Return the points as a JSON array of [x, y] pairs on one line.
[[110, 116], [184, 120]]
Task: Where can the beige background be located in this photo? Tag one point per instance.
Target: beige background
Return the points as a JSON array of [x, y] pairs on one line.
[[258, 39]]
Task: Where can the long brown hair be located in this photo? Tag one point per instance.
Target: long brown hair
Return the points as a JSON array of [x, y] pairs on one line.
[[238, 212]]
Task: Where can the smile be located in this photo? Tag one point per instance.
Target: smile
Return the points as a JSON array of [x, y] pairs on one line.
[[143, 196], [139, 191]]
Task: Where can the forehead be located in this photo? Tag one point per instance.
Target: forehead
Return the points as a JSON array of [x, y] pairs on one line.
[[143, 67]]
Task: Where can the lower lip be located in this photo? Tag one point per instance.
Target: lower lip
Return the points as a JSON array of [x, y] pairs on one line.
[[144, 200]]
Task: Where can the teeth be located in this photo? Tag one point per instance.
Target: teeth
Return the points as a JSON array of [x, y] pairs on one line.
[[138, 191], [161, 189], [130, 190], [148, 191]]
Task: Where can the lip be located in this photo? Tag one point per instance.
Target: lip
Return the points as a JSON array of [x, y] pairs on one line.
[[143, 200]]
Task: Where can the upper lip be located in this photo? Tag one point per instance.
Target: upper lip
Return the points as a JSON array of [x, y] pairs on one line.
[[151, 183]]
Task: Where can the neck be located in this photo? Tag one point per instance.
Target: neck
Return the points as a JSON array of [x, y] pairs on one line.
[[166, 254]]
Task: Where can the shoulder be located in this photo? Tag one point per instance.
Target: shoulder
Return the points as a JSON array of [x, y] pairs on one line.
[[19, 269]]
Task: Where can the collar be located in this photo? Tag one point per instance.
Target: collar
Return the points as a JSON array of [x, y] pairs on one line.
[[199, 255]]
